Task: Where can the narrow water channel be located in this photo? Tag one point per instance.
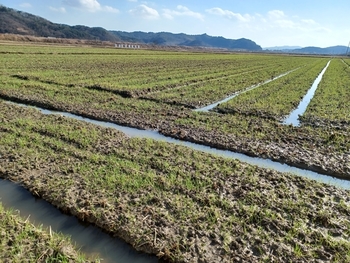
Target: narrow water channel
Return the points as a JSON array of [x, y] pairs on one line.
[[212, 106], [265, 163], [293, 117], [90, 239]]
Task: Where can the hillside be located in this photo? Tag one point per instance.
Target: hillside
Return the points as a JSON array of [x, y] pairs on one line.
[[204, 40], [335, 50], [281, 48], [18, 22]]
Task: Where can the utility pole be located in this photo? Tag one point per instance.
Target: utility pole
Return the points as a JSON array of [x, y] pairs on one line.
[[347, 49]]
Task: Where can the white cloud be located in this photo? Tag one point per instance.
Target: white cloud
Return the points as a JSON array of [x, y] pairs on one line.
[[272, 21], [229, 14], [110, 9], [276, 14], [59, 10], [278, 19], [181, 11], [145, 12], [309, 21], [285, 23], [90, 5], [287, 29], [25, 5], [132, 0], [323, 30], [274, 27]]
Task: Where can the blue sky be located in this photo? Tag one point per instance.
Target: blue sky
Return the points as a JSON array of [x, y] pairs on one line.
[[267, 22]]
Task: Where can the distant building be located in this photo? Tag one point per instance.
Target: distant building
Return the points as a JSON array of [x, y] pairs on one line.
[[123, 45]]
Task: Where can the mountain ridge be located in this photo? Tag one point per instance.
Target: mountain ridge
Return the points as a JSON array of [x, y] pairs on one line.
[[181, 39], [281, 48], [333, 50], [22, 23]]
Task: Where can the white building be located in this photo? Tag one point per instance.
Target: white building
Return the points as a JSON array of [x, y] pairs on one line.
[[122, 45]]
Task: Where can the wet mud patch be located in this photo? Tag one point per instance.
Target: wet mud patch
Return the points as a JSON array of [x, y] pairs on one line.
[[326, 123], [295, 149], [323, 161], [177, 203]]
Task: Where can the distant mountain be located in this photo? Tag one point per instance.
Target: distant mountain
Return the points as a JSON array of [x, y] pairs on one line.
[[170, 39], [282, 48], [335, 50], [17, 22]]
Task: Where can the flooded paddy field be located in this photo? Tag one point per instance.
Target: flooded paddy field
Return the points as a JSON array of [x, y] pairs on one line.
[[180, 204]]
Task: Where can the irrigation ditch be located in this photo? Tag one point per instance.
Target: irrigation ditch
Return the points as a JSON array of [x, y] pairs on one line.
[[153, 134], [90, 240], [293, 117]]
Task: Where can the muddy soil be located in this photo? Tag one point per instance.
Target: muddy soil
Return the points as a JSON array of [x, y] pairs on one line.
[[299, 151], [215, 210], [251, 229], [321, 160], [318, 122]]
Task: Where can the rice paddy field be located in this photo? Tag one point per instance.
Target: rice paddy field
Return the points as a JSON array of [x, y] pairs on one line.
[[170, 200]]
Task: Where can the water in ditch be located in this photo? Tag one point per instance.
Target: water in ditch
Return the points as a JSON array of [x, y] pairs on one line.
[[90, 239], [265, 163], [293, 117]]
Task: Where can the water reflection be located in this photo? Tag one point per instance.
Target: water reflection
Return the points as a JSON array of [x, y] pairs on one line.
[[293, 118], [92, 241], [265, 163]]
